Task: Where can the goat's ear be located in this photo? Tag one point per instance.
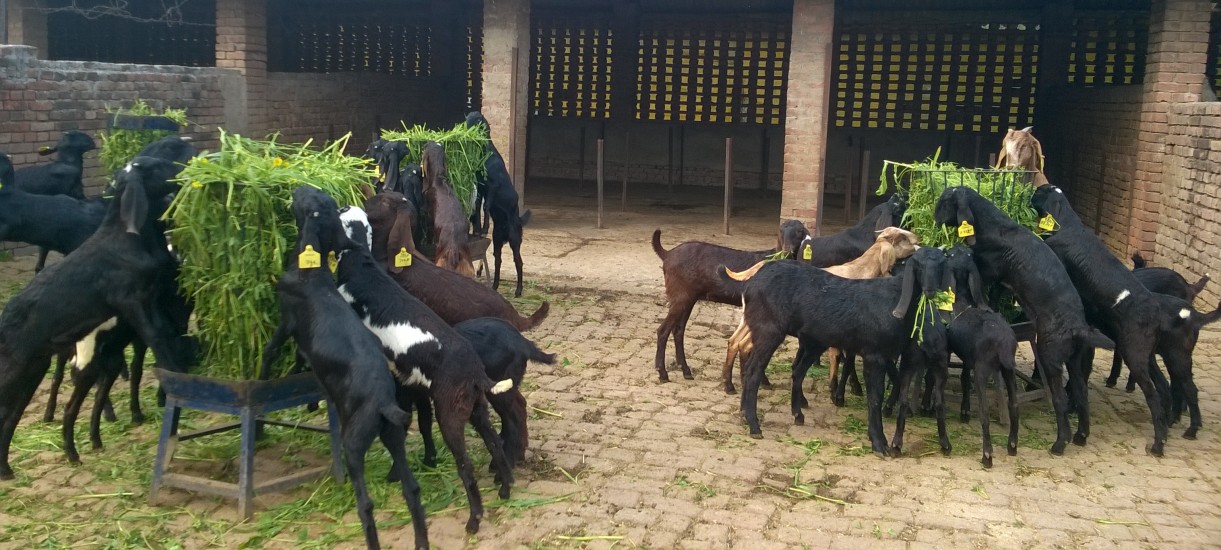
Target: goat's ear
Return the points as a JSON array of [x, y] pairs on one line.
[[909, 286], [400, 236], [965, 214], [133, 207], [1027, 129], [976, 285], [886, 259]]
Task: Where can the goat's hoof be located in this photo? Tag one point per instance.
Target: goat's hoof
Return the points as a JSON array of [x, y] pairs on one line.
[[430, 462], [1158, 449], [799, 419], [729, 389], [6, 475], [96, 445], [391, 478], [895, 451], [687, 375], [946, 450], [1111, 382], [663, 377], [857, 391], [886, 411], [75, 461], [766, 383], [964, 417], [1012, 449], [137, 419], [838, 402], [1057, 448], [1190, 433], [49, 416], [1079, 440], [758, 435], [986, 460], [504, 492], [1130, 389], [472, 526]]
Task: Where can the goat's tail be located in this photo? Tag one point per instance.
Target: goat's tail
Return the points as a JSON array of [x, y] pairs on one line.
[[1198, 320], [395, 415], [1138, 261], [1194, 290], [661, 252], [744, 275], [537, 317], [501, 386], [1091, 337], [539, 356], [524, 218]]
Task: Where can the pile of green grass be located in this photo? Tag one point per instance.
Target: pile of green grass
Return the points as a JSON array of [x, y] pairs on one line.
[[120, 146], [466, 152], [232, 224]]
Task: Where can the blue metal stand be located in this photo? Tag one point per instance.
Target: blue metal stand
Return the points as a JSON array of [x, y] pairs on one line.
[[248, 400]]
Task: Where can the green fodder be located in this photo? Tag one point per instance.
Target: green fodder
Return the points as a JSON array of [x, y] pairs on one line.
[[921, 183], [120, 146], [233, 226], [466, 151]]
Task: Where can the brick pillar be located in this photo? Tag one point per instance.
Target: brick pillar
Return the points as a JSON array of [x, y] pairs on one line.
[[241, 45], [27, 25], [506, 25], [806, 112], [1174, 73]]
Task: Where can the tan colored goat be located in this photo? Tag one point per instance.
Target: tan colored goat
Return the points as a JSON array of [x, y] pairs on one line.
[[891, 245], [1020, 149]]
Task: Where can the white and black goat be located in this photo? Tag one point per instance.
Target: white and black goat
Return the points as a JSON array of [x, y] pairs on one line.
[[344, 355], [426, 355], [1140, 322], [113, 273], [869, 317], [1008, 253]]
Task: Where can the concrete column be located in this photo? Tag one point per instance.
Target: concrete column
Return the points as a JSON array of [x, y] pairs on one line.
[[506, 25], [1174, 73], [27, 25], [241, 45], [806, 111]]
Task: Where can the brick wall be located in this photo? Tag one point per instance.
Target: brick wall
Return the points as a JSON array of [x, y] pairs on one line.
[[806, 108], [1190, 223], [1090, 146]]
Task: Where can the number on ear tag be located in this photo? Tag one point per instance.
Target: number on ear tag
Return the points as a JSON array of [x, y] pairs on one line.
[[403, 258], [947, 305], [332, 261], [309, 258], [1047, 223], [807, 253], [966, 229]]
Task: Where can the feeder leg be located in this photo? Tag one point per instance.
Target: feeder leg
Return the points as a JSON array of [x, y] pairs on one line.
[[165, 447], [245, 473]]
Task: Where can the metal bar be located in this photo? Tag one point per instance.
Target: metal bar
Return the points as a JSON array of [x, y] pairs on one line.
[[601, 182], [864, 178], [627, 136], [728, 181]]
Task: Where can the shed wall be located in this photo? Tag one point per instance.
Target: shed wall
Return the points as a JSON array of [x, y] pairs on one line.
[[1190, 219]]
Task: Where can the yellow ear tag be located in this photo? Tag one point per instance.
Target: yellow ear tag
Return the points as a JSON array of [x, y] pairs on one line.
[[332, 261], [377, 172], [309, 258], [1047, 223], [807, 253], [966, 229], [947, 305], [403, 258]]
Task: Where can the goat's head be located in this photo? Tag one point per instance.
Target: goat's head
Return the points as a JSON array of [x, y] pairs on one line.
[[904, 242], [475, 118], [392, 155], [928, 267], [1050, 199], [391, 214], [432, 163], [6, 171], [356, 225], [965, 274], [891, 213], [318, 223], [374, 151], [792, 234], [73, 141], [173, 148], [1020, 149], [144, 181], [954, 207]]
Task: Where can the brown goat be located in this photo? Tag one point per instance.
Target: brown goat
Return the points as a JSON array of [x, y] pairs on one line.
[[449, 222], [399, 216], [891, 245], [455, 298], [1020, 149]]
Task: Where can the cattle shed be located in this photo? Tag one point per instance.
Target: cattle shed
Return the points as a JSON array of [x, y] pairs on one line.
[[815, 94]]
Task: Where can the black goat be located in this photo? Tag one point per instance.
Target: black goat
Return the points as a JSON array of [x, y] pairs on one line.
[[1011, 254], [1140, 322], [114, 273], [345, 356], [50, 222], [427, 355], [985, 342], [500, 203], [869, 317], [63, 176], [849, 244], [690, 272]]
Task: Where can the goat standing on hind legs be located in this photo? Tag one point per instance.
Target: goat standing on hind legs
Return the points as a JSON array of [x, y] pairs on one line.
[[449, 224], [499, 203], [1020, 149]]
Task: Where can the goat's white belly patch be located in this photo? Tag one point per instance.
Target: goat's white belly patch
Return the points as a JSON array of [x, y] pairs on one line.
[[1121, 297], [84, 348], [400, 337]]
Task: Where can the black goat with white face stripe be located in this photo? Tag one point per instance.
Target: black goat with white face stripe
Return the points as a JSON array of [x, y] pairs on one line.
[[426, 354]]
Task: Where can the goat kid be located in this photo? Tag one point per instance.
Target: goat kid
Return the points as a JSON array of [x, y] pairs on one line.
[[1009, 253], [449, 224], [690, 273], [345, 356]]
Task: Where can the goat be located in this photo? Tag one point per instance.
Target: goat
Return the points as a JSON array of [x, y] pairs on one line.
[[449, 224], [890, 245], [870, 317], [113, 273], [51, 222], [1011, 254], [850, 243], [690, 273], [985, 342], [499, 203], [1159, 280], [345, 356], [926, 353], [401, 216], [1139, 322], [426, 354], [399, 177], [454, 297], [63, 176], [1019, 149]]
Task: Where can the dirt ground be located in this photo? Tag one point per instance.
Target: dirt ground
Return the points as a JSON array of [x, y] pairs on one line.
[[625, 461]]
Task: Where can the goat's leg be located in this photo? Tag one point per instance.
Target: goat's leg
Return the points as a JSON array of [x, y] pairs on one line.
[[964, 411], [136, 373], [849, 369], [42, 260], [393, 437], [766, 341], [833, 371], [1179, 363], [498, 242], [941, 371], [483, 425], [453, 423], [853, 381], [678, 310], [61, 362], [875, 367], [926, 400], [1116, 368], [801, 366], [100, 397], [515, 245], [22, 381], [680, 346], [423, 405], [892, 374], [1080, 366], [1053, 351], [906, 373], [354, 453], [84, 380], [1137, 351], [985, 421], [1008, 368]]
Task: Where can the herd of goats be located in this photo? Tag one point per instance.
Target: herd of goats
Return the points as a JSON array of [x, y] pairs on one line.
[[454, 346]]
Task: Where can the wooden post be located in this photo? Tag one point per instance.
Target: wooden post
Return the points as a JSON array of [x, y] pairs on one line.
[[601, 182], [627, 137], [864, 183], [728, 180]]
